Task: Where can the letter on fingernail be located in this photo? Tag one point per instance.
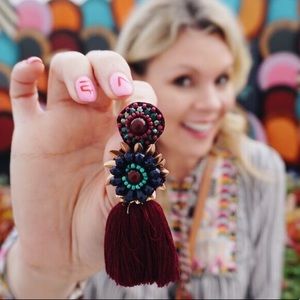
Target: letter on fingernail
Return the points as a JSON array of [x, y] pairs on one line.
[[120, 84], [85, 89], [33, 59]]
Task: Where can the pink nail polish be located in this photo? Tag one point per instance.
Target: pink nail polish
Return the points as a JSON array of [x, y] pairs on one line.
[[85, 89], [120, 85], [33, 59]]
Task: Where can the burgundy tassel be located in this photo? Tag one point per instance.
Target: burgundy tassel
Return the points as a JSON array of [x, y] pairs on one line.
[[139, 248]]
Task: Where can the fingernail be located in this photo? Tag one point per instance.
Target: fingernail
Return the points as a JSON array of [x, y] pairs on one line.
[[33, 59], [120, 84], [85, 89]]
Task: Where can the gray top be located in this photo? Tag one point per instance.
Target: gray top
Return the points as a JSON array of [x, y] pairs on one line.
[[260, 242]]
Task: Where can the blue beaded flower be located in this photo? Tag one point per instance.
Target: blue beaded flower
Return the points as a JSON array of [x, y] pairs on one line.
[[136, 174]]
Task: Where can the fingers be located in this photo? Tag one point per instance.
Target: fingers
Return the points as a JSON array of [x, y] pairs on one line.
[[23, 89], [112, 73], [93, 79]]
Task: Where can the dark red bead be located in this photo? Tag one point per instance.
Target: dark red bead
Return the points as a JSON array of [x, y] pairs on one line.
[[138, 126], [134, 176]]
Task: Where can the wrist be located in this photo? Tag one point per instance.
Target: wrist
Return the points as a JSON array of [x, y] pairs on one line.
[[30, 282]]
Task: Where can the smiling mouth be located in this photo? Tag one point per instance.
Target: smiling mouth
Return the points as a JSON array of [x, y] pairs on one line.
[[198, 130], [198, 127]]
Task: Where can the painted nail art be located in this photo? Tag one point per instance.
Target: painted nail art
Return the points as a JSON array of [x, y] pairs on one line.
[[120, 84], [85, 89], [33, 59]]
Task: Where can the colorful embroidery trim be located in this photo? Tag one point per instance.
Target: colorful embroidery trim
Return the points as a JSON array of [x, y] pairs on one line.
[[216, 239]]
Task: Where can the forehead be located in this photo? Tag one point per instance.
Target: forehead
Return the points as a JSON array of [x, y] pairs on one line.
[[198, 49]]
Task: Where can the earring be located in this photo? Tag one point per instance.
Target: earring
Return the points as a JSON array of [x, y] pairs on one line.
[[138, 246]]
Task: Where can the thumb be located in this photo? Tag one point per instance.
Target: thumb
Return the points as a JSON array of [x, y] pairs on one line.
[[23, 88]]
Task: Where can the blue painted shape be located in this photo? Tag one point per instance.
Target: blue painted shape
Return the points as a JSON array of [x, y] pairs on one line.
[[282, 9], [97, 13], [297, 108], [138, 2], [9, 51], [234, 5]]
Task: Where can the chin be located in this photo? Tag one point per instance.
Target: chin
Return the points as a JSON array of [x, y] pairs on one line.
[[194, 151], [200, 152]]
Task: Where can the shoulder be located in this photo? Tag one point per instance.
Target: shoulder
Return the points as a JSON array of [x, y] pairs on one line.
[[262, 157], [263, 196], [263, 187]]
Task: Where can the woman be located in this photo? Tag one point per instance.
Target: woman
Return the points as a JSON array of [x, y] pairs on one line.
[[224, 208]]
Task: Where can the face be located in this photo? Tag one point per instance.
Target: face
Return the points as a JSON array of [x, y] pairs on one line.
[[194, 86]]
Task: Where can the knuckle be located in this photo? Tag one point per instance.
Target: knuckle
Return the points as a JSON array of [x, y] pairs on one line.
[[62, 64], [64, 58], [110, 56]]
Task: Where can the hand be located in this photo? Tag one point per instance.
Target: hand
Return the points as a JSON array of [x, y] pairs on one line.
[[60, 200]]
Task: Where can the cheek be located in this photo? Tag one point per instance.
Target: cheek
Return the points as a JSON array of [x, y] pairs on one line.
[[228, 100], [170, 106], [170, 114]]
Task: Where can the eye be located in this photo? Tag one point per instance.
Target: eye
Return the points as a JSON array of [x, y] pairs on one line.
[[183, 81], [222, 80]]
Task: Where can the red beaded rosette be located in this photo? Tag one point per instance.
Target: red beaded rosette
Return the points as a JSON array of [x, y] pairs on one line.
[[140, 123]]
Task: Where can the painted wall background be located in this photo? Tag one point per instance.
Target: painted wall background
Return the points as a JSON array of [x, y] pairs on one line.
[[270, 101]]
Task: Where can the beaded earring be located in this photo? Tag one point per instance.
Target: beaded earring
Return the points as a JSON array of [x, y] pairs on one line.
[[138, 245]]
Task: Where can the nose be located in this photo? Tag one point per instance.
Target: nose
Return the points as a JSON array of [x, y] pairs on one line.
[[207, 99]]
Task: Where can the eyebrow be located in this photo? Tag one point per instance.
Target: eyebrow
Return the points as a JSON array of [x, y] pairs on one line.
[[227, 68]]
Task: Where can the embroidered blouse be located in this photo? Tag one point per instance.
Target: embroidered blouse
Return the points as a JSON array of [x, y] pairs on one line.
[[240, 241]]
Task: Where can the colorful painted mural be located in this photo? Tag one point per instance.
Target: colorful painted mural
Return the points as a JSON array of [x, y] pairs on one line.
[[271, 100]]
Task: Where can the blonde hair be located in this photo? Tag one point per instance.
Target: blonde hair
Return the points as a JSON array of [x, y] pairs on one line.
[[154, 27]]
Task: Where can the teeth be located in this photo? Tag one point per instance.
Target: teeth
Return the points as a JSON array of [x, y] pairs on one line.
[[199, 127]]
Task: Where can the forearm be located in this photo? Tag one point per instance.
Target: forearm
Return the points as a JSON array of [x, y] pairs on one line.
[[28, 282]]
